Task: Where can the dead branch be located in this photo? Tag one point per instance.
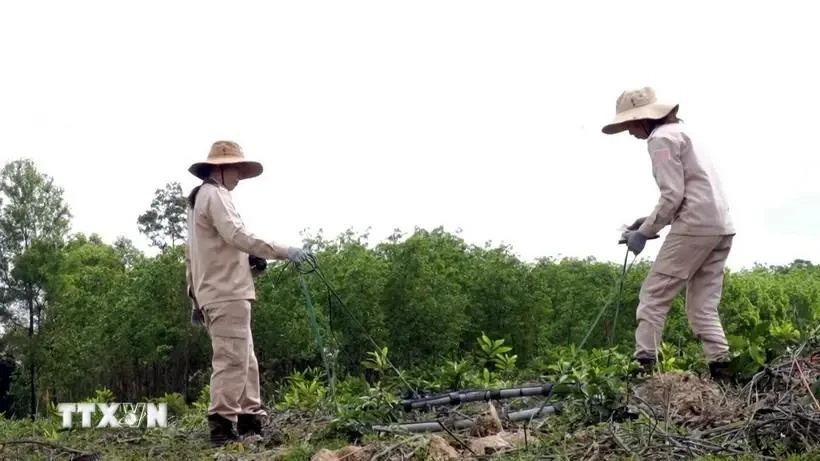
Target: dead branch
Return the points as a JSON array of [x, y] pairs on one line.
[[80, 454]]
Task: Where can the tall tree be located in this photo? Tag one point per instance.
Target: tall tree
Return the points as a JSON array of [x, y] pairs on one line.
[[164, 222], [33, 222], [127, 251]]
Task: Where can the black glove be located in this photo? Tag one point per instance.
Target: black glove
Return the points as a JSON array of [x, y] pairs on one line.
[[197, 319], [635, 241], [635, 225], [258, 265], [633, 228]]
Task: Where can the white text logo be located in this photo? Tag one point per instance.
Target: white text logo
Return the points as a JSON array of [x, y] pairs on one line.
[[116, 414]]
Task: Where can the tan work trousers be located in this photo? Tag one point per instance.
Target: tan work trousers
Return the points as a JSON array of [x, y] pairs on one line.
[[697, 263], [235, 376]]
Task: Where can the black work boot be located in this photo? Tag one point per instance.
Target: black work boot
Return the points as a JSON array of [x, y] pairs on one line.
[[720, 372], [646, 367], [221, 430], [249, 425]]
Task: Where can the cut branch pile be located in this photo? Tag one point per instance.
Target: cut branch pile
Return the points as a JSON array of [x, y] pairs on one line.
[[680, 415]]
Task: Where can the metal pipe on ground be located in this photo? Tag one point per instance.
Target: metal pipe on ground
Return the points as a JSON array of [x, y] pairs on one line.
[[435, 426], [454, 398]]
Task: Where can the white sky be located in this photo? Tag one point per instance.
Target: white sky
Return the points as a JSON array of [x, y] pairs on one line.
[[471, 114]]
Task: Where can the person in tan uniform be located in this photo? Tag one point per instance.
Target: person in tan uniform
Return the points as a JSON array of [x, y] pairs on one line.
[[693, 203], [220, 284]]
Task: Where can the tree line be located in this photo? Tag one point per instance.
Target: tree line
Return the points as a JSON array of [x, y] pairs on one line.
[[78, 314]]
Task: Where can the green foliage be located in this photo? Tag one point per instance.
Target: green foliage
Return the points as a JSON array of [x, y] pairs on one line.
[[596, 378], [305, 391], [164, 222], [449, 315], [421, 299], [377, 361], [177, 406], [195, 416], [103, 395], [33, 222], [495, 354]]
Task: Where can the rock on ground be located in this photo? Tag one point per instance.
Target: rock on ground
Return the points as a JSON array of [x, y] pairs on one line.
[[488, 423], [490, 445], [439, 450], [348, 453]]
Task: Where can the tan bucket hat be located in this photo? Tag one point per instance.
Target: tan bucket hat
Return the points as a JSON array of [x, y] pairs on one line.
[[637, 104], [226, 153]]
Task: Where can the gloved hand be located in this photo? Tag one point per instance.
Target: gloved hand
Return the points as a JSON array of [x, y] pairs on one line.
[[297, 255], [635, 225], [258, 265], [635, 241], [634, 228], [197, 319]]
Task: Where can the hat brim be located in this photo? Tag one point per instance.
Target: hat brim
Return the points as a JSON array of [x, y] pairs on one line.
[[247, 168], [655, 111]]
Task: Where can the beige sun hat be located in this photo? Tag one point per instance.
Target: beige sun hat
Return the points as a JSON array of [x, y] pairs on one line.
[[226, 153], [637, 104]]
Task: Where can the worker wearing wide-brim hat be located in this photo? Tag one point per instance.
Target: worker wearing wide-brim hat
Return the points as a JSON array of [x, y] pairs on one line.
[[220, 285], [693, 203]]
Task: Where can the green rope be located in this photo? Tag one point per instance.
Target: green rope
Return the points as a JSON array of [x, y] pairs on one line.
[[313, 267], [613, 330], [619, 298], [317, 333], [616, 294]]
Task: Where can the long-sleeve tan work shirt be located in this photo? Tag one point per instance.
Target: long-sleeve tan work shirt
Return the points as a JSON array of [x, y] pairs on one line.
[[218, 248], [692, 197]]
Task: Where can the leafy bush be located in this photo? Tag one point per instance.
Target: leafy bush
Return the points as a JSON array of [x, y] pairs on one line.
[[446, 313]]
